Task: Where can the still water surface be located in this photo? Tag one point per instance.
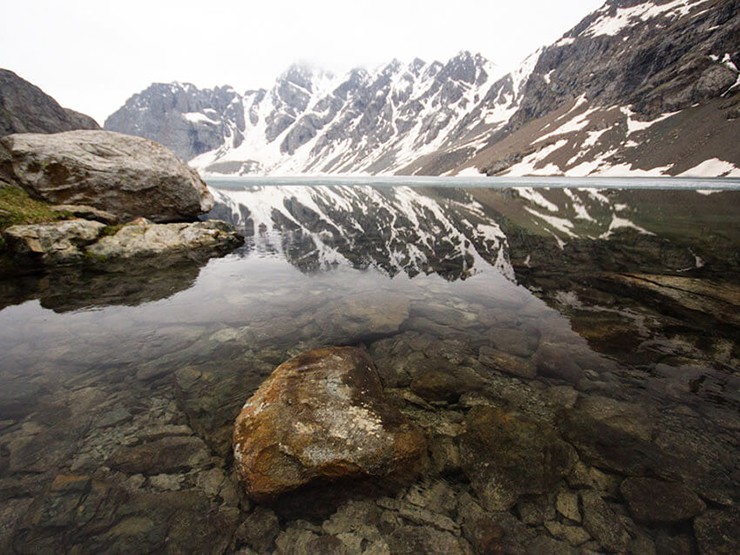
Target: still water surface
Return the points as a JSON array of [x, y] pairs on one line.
[[605, 317]]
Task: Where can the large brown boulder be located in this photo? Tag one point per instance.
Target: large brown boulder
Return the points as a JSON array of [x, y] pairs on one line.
[[127, 176], [321, 419]]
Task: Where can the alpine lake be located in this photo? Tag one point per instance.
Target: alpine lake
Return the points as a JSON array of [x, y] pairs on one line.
[[569, 347]]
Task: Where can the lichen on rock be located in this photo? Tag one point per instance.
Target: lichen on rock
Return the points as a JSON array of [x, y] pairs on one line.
[[321, 417]]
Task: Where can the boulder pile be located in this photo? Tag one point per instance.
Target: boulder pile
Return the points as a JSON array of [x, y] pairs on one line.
[[129, 197]]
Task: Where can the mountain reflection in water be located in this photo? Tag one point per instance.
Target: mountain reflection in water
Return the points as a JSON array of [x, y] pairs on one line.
[[605, 319]]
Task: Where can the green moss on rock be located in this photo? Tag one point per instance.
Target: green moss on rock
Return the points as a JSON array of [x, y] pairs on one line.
[[16, 207]]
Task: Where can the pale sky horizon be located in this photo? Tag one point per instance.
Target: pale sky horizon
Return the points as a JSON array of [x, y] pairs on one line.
[[92, 56]]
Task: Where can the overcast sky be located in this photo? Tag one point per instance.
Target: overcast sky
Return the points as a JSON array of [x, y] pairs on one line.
[[92, 55]]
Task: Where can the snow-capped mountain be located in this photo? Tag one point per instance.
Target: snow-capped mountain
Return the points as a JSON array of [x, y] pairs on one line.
[[638, 87], [311, 121], [188, 120]]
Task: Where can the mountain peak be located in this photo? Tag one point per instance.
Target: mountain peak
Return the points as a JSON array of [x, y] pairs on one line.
[[595, 102]]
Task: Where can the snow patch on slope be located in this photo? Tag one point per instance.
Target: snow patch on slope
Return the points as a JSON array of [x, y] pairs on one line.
[[612, 25], [712, 168], [528, 165], [198, 117]]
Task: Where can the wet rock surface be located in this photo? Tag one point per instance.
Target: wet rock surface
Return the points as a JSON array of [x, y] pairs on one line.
[[508, 455], [658, 502], [321, 420], [82, 241]]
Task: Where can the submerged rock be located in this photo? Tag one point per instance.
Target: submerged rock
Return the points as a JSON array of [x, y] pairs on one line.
[[659, 502], [603, 523], [321, 418], [125, 175], [614, 435], [716, 532], [508, 454]]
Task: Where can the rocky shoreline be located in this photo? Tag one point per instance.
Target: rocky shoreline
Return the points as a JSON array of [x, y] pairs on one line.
[[115, 198]]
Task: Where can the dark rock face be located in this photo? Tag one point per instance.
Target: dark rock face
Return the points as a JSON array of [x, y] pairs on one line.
[[647, 56], [321, 418], [24, 108], [639, 63], [124, 175], [659, 502], [183, 118]]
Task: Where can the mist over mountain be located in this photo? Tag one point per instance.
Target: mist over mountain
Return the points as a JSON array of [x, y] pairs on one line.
[[636, 88]]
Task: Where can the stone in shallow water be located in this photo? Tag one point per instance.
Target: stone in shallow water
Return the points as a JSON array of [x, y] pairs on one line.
[[658, 502], [438, 385], [321, 418], [259, 530], [613, 435], [600, 520], [717, 532], [507, 363], [567, 505], [555, 361], [507, 454], [163, 456], [518, 342]]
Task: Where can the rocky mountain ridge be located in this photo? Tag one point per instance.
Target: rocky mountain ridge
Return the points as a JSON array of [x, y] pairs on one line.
[[312, 121], [637, 87], [25, 108]]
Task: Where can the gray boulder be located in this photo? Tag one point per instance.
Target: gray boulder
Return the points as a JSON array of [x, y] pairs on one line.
[[144, 238], [127, 176], [53, 243]]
